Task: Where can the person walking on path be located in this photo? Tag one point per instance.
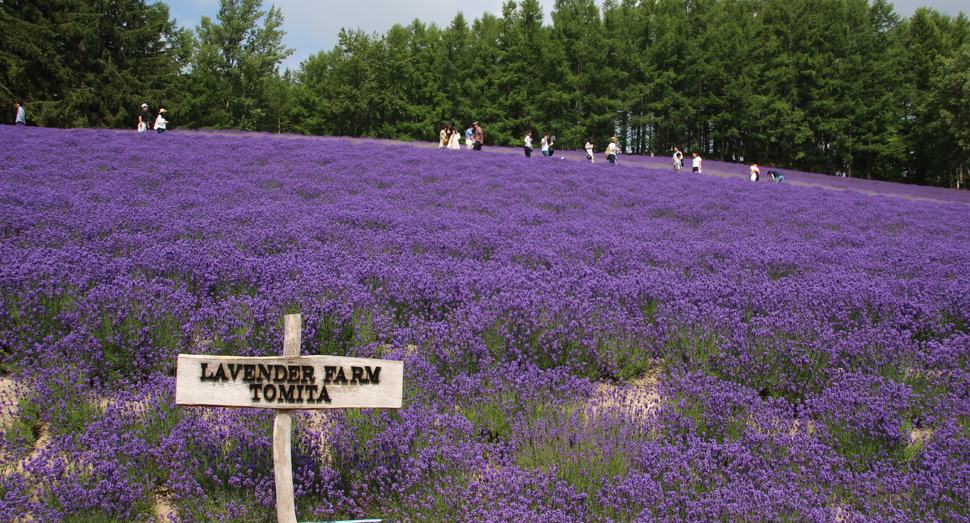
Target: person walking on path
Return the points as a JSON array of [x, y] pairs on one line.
[[776, 176], [697, 164], [453, 141], [160, 121], [478, 137], [678, 159], [545, 145], [612, 150], [528, 144], [21, 115], [443, 136], [589, 149], [468, 138], [755, 172], [143, 118]]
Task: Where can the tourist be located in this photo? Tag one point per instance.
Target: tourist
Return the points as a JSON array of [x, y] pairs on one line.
[[589, 149], [776, 176], [21, 115], [545, 145], [443, 136], [478, 137], [453, 141], [468, 138], [528, 144], [143, 118], [755, 172], [161, 122], [612, 150], [696, 164], [678, 159]]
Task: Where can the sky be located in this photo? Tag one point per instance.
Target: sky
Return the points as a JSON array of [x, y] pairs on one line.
[[312, 25]]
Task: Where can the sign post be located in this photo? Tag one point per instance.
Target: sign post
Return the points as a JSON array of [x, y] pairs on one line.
[[287, 383]]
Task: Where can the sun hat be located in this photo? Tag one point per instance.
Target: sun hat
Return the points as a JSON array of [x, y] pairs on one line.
[[144, 105], [613, 139], [162, 111]]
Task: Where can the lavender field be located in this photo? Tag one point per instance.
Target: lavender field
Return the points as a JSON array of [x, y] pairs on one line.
[[582, 343]]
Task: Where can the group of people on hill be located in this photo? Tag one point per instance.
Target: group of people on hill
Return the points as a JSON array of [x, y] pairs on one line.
[[143, 118], [548, 143], [696, 165], [755, 174], [450, 137]]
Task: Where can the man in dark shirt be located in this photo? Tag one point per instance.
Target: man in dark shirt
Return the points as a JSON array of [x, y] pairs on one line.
[[143, 118]]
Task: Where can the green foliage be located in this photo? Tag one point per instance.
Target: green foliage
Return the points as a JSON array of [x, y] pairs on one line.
[[234, 82], [87, 64]]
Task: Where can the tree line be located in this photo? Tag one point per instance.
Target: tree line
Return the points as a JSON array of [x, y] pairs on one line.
[[819, 85]]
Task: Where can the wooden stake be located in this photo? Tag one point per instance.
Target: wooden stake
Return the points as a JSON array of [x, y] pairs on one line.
[[283, 430]]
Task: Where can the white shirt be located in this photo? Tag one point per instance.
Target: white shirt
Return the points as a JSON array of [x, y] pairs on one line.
[[545, 144], [696, 162], [21, 115], [528, 141], [160, 122], [612, 148]]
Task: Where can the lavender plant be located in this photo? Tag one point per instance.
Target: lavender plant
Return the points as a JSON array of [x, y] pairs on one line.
[[582, 342]]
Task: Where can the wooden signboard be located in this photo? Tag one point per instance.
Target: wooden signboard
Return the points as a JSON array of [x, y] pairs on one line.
[[286, 383], [301, 382]]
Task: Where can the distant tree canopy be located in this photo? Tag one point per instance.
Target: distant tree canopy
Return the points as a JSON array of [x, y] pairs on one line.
[[819, 85]]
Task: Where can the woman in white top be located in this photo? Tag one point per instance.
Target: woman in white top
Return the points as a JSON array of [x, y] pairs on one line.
[[545, 145], [755, 172], [453, 142], [589, 149], [678, 159], [528, 144], [696, 163], [160, 121]]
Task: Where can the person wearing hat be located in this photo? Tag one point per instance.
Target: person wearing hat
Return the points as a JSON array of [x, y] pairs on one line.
[[143, 118], [755, 172], [161, 122], [611, 150]]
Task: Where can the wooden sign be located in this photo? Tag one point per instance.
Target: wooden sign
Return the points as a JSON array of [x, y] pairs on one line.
[[301, 382], [286, 383]]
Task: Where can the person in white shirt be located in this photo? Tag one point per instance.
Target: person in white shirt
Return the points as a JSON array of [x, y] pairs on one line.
[[589, 149], [612, 150], [160, 121], [678, 159], [528, 144], [696, 164], [545, 145], [21, 115], [755, 172]]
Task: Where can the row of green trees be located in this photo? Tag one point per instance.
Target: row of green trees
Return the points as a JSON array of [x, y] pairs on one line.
[[92, 63], [820, 85]]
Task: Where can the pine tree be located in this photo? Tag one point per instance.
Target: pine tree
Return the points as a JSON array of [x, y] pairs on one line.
[[233, 66]]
